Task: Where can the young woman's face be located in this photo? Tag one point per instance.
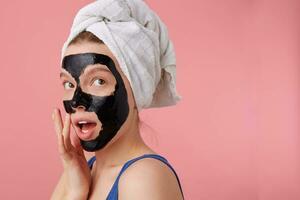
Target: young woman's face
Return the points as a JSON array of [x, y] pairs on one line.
[[96, 94]]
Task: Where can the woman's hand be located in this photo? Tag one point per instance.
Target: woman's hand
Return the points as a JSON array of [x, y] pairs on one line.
[[76, 178]]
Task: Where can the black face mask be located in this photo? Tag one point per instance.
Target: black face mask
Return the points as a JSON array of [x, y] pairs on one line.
[[111, 110]]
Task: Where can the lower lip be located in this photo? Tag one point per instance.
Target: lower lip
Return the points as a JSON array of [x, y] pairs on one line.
[[86, 134]]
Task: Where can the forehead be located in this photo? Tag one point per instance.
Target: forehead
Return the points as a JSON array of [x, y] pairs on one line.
[[85, 47], [90, 69], [92, 47], [77, 64]]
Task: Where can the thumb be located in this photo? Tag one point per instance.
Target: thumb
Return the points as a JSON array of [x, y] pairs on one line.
[[76, 142]]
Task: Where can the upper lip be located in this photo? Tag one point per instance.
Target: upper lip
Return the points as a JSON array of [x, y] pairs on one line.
[[78, 119]]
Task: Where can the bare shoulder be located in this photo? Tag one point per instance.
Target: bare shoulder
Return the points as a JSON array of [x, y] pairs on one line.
[[149, 178]]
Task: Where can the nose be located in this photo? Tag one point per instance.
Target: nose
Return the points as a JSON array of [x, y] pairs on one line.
[[75, 105], [80, 100]]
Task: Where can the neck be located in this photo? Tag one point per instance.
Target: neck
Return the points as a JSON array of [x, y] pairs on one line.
[[125, 146]]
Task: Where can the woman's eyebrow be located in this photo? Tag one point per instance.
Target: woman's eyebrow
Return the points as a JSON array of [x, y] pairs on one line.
[[88, 71]]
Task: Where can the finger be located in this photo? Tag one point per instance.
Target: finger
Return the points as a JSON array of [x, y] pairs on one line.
[[58, 129], [66, 133], [76, 142], [57, 121]]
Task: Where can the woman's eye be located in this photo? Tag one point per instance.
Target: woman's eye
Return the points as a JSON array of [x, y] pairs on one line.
[[68, 85], [98, 82]]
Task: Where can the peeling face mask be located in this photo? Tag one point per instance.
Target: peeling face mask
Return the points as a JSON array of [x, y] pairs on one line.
[[112, 111]]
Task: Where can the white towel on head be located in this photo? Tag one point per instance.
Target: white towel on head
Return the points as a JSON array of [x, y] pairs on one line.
[[139, 40]]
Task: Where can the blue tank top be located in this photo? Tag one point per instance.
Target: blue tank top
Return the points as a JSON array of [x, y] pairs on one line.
[[113, 193]]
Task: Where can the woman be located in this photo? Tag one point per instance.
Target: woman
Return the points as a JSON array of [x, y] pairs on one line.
[[105, 86]]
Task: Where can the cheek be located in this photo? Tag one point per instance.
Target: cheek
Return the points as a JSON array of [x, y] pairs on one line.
[[130, 98], [68, 94], [100, 90]]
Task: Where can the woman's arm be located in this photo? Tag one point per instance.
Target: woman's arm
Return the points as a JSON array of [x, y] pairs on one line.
[[60, 192]]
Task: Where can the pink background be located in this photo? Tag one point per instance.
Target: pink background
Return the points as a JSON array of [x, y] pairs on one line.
[[234, 135]]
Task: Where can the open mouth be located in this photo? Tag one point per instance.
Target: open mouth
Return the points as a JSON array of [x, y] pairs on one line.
[[85, 129], [86, 126]]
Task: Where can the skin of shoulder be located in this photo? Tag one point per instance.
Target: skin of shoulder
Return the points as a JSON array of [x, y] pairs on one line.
[[147, 179]]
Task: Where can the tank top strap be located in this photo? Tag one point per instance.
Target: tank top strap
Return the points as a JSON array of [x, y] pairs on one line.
[[113, 194], [91, 161]]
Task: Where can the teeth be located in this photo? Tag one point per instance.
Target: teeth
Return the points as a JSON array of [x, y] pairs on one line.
[[82, 122]]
